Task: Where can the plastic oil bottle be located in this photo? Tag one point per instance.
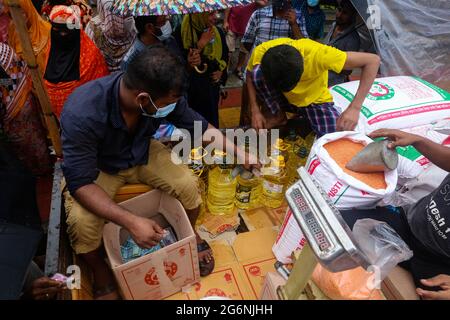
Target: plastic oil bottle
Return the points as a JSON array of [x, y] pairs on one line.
[[221, 187], [248, 190], [293, 163], [274, 181]]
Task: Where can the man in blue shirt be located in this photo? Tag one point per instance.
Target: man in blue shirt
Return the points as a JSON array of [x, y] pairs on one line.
[[154, 30], [107, 126]]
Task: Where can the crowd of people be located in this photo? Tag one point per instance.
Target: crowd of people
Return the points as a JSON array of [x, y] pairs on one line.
[[112, 81]]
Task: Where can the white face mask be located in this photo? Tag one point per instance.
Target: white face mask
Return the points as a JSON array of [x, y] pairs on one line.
[[166, 31]]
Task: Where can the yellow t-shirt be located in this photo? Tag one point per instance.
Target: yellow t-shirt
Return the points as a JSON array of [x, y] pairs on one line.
[[318, 59]]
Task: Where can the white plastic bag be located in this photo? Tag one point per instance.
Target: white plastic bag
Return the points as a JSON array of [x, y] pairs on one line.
[[345, 191], [395, 103], [382, 245], [411, 162]]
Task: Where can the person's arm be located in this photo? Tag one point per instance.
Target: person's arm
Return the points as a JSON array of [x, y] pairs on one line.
[[230, 147], [258, 120], [44, 289], [184, 117], [262, 3], [249, 37], [226, 25], [436, 153], [291, 17], [146, 232], [369, 64]]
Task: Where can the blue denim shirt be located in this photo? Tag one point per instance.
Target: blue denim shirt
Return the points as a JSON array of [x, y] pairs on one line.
[[95, 136]]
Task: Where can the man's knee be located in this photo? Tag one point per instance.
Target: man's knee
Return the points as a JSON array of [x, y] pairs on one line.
[[85, 229], [188, 191]]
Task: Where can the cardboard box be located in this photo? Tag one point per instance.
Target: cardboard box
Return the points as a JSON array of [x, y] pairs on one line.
[[269, 290], [399, 285], [256, 271], [161, 273], [225, 282]]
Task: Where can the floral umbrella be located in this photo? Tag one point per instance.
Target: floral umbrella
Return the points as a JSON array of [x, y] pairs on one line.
[[168, 7]]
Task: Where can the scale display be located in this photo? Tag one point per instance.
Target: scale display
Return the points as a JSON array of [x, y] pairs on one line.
[[327, 233]]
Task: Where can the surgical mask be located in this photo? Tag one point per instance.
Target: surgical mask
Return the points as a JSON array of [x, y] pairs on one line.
[[313, 3], [166, 31], [160, 112]]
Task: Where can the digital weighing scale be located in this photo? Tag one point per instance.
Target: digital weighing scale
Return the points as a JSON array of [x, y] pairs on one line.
[[330, 240]]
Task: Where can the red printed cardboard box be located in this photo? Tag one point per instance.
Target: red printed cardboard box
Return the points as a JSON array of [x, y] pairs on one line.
[[162, 273], [271, 283]]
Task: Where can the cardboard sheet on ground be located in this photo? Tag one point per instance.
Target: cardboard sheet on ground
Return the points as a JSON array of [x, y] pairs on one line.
[[263, 217]]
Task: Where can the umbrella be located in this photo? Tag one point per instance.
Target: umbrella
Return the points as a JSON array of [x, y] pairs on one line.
[[169, 7]]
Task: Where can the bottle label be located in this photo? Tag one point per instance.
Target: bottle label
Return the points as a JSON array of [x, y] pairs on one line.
[[273, 187], [243, 193]]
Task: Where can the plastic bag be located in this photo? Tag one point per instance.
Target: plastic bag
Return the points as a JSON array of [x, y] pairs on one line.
[[352, 284], [382, 245], [344, 190]]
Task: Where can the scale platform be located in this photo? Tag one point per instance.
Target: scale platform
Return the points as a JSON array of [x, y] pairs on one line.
[[328, 235]]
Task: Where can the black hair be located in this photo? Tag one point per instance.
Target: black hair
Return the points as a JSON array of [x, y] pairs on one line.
[[282, 67], [279, 5], [141, 21], [347, 4], [157, 71]]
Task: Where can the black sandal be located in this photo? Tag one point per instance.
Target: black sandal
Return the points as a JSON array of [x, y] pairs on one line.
[[205, 267], [98, 293]]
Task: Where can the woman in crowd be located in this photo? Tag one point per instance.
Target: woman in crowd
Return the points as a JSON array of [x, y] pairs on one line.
[[112, 34], [85, 9], [198, 34], [66, 56], [73, 58], [19, 113]]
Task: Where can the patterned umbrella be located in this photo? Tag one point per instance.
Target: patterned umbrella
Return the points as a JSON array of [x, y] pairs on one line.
[[167, 7]]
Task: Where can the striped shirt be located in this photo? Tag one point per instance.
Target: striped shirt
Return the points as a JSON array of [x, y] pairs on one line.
[[264, 26]]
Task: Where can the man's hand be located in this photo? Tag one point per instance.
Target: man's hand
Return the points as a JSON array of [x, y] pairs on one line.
[[251, 161], [258, 120], [206, 37], [348, 119], [262, 3], [145, 232], [291, 17], [194, 59], [45, 289], [442, 281], [216, 76], [226, 26], [398, 138]]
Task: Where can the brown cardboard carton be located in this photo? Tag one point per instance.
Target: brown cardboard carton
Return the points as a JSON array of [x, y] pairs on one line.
[[162, 273], [255, 272], [269, 290], [225, 282], [399, 285]]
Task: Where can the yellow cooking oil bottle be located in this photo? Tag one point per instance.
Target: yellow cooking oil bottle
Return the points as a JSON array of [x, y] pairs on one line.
[[248, 190], [274, 181], [221, 186], [291, 166], [280, 148]]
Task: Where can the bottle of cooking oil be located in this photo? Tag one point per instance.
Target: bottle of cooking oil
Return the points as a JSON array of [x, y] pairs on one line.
[[248, 190], [221, 186], [293, 163], [274, 181], [280, 148]]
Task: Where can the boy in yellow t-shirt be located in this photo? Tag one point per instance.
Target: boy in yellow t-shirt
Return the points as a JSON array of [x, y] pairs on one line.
[[286, 75]]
